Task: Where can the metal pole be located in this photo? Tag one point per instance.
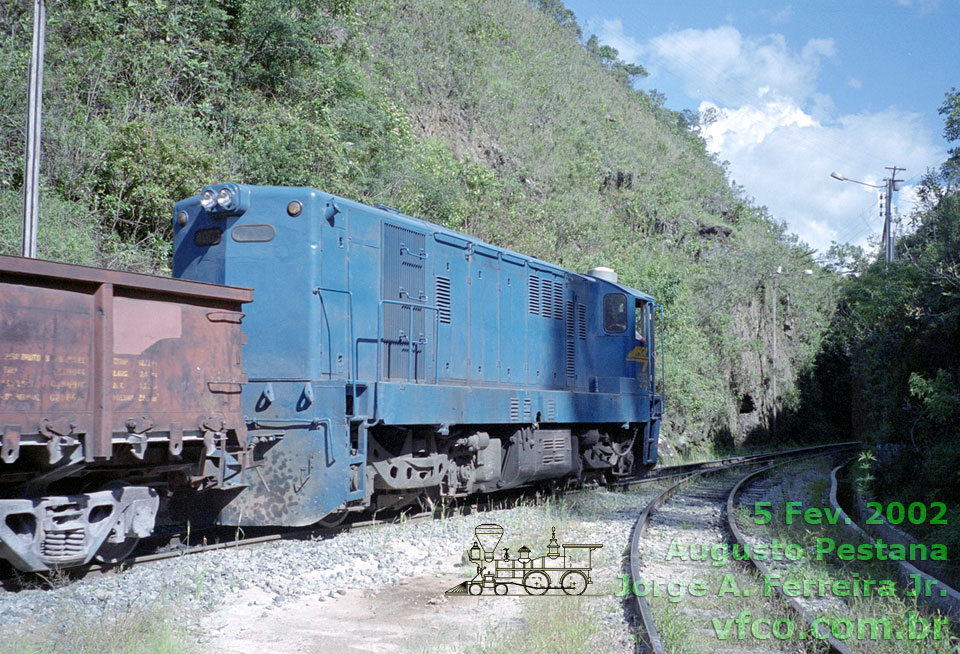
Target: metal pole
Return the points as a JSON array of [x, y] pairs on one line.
[[887, 226], [774, 363], [888, 214], [31, 174]]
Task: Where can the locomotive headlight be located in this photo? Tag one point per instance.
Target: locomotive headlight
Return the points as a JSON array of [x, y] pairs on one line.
[[208, 199], [225, 199]]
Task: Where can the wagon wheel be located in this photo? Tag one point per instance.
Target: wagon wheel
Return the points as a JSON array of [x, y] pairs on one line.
[[536, 583], [116, 552], [475, 588], [573, 582], [500, 589]]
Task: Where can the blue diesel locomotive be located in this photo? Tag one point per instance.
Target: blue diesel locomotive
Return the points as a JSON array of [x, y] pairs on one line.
[[394, 361]]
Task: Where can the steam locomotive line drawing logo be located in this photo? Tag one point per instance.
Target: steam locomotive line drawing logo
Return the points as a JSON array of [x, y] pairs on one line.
[[568, 573]]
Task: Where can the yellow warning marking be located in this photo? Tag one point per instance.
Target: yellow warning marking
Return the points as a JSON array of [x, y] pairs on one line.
[[639, 353]]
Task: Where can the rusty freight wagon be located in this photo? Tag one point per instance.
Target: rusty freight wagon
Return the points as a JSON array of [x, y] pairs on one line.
[[116, 391]]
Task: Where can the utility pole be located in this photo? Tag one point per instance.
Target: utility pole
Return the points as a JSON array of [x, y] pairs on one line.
[[890, 184], [888, 239], [31, 173], [773, 362]]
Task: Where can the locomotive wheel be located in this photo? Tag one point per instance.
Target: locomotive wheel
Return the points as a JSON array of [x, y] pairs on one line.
[[573, 582], [536, 583], [475, 589], [500, 589], [333, 520]]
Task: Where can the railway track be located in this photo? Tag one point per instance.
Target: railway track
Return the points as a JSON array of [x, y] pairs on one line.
[[696, 515], [946, 601], [667, 472], [231, 538], [314, 531]]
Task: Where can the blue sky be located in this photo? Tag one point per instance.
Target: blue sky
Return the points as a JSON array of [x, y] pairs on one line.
[[801, 89]]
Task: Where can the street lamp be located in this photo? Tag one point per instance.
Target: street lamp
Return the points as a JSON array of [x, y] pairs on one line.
[[891, 184], [841, 178], [776, 273]]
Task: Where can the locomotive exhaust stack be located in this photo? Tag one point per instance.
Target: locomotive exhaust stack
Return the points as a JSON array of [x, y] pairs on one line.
[[488, 536]]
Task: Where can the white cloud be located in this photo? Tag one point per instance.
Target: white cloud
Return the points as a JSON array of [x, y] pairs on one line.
[[611, 33], [783, 158], [722, 66], [924, 7], [780, 133], [736, 130], [785, 15]]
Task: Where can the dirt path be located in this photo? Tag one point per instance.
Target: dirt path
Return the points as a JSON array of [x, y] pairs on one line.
[[411, 616]]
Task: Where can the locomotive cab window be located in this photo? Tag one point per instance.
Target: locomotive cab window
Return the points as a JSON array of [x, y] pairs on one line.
[[641, 321], [615, 313]]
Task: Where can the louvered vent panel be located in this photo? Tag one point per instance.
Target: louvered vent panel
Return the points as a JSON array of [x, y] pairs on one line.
[[528, 410], [571, 359], [554, 450], [546, 298], [569, 326], [558, 300], [443, 299], [533, 290], [582, 322], [514, 409], [551, 410]]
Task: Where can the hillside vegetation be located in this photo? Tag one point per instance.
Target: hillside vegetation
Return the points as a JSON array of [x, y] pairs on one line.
[[495, 117]]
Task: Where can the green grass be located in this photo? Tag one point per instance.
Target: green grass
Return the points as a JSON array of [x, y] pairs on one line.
[[553, 625], [155, 629]]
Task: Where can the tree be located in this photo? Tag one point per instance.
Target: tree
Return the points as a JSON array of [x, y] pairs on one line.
[[559, 12], [609, 58], [950, 109]]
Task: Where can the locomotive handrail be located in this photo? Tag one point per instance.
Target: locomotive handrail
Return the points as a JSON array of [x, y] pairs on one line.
[[663, 361], [412, 305]]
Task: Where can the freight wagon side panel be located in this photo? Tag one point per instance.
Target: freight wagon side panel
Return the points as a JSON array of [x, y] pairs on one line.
[[102, 357]]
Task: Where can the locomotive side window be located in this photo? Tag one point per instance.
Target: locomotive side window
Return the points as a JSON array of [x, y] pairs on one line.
[[642, 321], [615, 313]]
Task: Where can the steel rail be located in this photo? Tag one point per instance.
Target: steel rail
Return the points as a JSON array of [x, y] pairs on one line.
[[690, 469], [681, 469], [835, 645], [947, 600], [650, 637], [294, 534], [303, 532]]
